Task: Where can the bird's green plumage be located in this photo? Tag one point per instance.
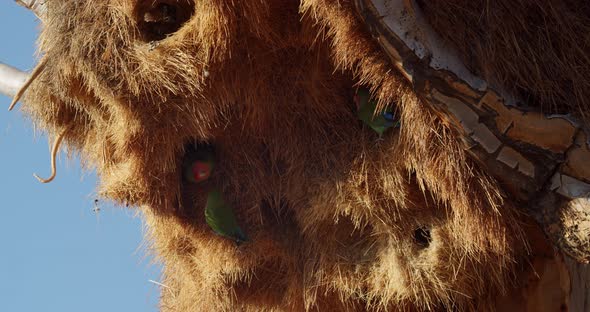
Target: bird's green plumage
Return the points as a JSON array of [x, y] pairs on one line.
[[221, 218], [367, 112]]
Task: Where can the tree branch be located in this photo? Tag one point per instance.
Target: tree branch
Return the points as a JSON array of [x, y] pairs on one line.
[[37, 6], [11, 80], [541, 160]]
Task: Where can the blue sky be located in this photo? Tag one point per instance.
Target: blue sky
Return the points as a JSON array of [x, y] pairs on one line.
[[56, 253]]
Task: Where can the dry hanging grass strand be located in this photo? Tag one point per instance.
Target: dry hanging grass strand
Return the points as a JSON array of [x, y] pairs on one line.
[[38, 69], [53, 156]]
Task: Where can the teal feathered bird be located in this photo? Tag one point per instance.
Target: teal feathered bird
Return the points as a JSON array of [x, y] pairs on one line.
[[366, 106], [221, 218], [197, 168]]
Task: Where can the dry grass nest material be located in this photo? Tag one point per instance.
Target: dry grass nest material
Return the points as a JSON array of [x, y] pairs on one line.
[[539, 50], [337, 221]]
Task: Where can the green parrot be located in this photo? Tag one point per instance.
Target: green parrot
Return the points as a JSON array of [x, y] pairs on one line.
[[221, 218], [366, 112], [199, 164]]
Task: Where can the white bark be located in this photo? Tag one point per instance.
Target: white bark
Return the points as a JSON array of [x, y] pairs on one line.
[[37, 6], [11, 80]]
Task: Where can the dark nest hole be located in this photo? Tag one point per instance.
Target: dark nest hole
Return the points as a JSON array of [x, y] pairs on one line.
[[422, 237], [192, 194], [158, 19]]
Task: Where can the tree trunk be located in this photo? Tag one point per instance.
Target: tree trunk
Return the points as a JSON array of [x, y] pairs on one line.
[[541, 160]]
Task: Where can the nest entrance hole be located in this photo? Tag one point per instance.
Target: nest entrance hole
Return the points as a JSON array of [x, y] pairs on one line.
[[422, 237], [158, 19]]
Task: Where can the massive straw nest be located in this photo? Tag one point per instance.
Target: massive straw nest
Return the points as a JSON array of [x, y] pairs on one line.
[[538, 50], [337, 220]]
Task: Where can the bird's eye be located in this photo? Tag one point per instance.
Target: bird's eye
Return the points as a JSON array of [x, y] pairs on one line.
[[389, 116], [199, 171], [198, 162]]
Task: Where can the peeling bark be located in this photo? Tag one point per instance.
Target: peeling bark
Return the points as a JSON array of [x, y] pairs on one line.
[[540, 160], [37, 6]]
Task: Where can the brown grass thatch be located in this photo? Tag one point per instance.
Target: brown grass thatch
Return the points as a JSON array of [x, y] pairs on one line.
[[538, 50], [338, 221]]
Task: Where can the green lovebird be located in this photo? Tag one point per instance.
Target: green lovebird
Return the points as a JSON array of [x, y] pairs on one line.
[[366, 106], [221, 218], [198, 165]]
